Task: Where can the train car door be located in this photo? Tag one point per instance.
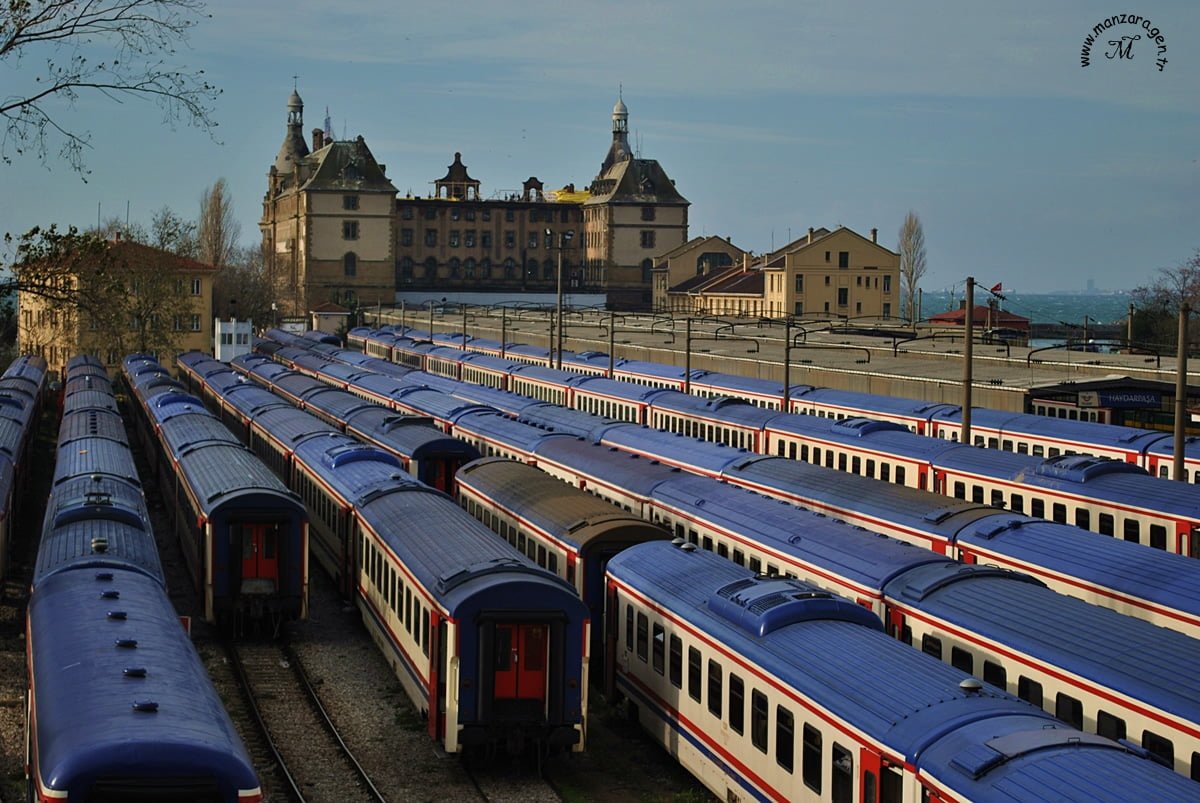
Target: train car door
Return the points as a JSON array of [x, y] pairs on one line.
[[520, 668], [260, 557], [437, 678]]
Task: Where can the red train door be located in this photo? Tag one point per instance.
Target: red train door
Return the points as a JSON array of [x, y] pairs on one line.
[[520, 664], [260, 555]]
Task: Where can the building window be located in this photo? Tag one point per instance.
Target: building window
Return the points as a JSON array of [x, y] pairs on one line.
[[648, 213], [510, 239], [799, 283], [349, 229], [469, 238], [406, 269], [485, 268], [508, 215], [887, 310], [469, 267], [195, 323], [176, 323], [510, 268], [454, 238], [533, 240], [406, 236], [843, 296], [406, 212], [454, 266], [843, 259], [431, 268], [887, 284], [548, 269], [454, 213], [485, 214], [350, 264], [469, 214], [430, 237], [349, 202], [485, 239], [647, 239], [430, 213]]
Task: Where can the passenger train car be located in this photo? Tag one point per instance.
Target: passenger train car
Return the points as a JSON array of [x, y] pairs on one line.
[[244, 534], [1046, 432], [1106, 496], [21, 389], [490, 647], [768, 689], [120, 707], [1160, 587]]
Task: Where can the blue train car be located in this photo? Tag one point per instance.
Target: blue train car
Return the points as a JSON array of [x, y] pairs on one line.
[[767, 689]]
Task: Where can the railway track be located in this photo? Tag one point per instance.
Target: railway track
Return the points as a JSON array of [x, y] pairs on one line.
[[309, 758]]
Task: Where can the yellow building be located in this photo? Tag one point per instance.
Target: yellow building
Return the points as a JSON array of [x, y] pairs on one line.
[[150, 301]]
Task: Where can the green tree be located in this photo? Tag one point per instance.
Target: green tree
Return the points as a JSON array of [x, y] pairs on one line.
[[58, 51]]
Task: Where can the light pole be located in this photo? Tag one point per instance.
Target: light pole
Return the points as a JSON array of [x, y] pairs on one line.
[[563, 239], [1180, 394], [968, 355]]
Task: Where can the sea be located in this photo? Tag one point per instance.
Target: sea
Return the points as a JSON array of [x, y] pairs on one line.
[[1108, 307]]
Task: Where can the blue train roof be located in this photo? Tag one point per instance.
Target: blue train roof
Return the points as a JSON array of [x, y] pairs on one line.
[[863, 433], [545, 373], [634, 475], [228, 476], [90, 398], [438, 404], [94, 455], [616, 389], [352, 467], [531, 352], [88, 725], [1166, 446], [1163, 577], [415, 437], [512, 404], [553, 418], [464, 564], [890, 405], [495, 426], [835, 663], [654, 369], [737, 384], [1147, 662], [97, 542], [336, 402], [1023, 758], [674, 449], [722, 409], [862, 557], [292, 426], [250, 399]]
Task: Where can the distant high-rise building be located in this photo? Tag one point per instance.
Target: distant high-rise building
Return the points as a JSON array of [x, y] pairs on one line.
[[1091, 285]]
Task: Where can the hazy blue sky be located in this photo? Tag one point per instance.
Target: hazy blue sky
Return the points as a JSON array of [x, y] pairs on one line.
[[1025, 167]]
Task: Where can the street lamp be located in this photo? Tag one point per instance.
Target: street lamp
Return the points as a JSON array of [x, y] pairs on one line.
[[563, 239]]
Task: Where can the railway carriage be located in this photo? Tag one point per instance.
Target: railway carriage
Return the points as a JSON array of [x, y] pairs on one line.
[[912, 414], [244, 535], [424, 452], [560, 527], [614, 399], [542, 383], [721, 420], [767, 689]]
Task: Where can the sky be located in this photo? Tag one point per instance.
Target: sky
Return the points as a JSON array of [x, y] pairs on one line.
[[1025, 168]]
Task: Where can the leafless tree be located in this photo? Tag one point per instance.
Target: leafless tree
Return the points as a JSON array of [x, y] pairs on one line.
[[114, 48], [1158, 303], [912, 261], [242, 288], [170, 232], [218, 231]]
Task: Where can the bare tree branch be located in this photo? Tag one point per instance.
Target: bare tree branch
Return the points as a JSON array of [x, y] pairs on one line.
[[912, 261], [129, 42]]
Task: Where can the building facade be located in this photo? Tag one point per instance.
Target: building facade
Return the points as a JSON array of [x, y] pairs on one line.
[[159, 302], [336, 231]]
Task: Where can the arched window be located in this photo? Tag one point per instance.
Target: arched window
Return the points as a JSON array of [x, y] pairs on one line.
[[469, 267], [510, 268], [406, 269], [431, 268], [548, 269], [454, 266], [485, 268], [531, 268]]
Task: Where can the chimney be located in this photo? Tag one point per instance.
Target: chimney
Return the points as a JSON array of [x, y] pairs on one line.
[[875, 235], [318, 139], [810, 234]]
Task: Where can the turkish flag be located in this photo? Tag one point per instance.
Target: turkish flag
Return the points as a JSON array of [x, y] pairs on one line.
[[995, 288]]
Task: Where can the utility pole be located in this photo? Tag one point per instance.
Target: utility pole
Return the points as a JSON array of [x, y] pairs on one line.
[[968, 354], [1180, 392], [1129, 329]]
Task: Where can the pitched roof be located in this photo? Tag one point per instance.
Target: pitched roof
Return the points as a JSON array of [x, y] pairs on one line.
[[137, 254], [999, 316], [635, 181], [330, 308], [347, 165], [700, 281]]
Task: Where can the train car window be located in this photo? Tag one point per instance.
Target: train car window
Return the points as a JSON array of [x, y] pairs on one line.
[[1039, 451], [1052, 452], [694, 673], [1030, 691], [997, 497], [629, 628], [407, 608], [659, 648], [962, 659], [679, 531], [977, 494], [1017, 503], [781, 451], [552, 564], [900, 475], [1158, 536], [803, 453], [979, 440], [1196, 766], [868, 787], [1133, 530], [841, 778], [931, 645], [871, 468], [723, 550], [424, 625], [737, 705], [1008, 445], [758, 721], [1037, 507], [829, 458], [993, 443], [885, 471], [842, 461], [1083, 518], [707, 543], [1059, 511], [1106, 524], [816, 456], [906, 635], [694, 537], [521, 542], [756, 565], [541, 556], [1022, 448], [739, 557], [1109, 726], [676, 662], [714, 688], [856, 465], [1193, 545], [1163, 748], [1069, 710], [643, 636], [995, 674], [812, 758]]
